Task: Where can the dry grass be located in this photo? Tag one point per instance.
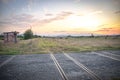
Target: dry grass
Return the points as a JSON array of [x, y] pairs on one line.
[[43, 45]]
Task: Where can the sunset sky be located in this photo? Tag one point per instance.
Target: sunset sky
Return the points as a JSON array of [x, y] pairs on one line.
[[60, 17]]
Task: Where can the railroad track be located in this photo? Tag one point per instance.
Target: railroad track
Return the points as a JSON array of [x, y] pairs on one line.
[[61, 71], [7, 61], [108, 55], [116, 55]]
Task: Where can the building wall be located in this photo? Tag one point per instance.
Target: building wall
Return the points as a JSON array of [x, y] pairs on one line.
[[10, 37]]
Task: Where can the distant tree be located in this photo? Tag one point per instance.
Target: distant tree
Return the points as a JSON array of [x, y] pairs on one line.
[[21, 37], [106, 36], [28, 34], [36, 36], [92, 36], [69, 36]]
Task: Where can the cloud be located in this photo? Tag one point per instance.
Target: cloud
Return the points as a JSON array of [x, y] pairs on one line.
[[48, 14], [102, 25], [30, 4], [90, 13], [23, 17], [77, 0], [45, 10], [109, 30], [117, 12], [59, 16], [106, 29], [117, 2], [17, 20], [5, 1], [29, 7], [95, 12], [22, 20], [62, 15], [60, 31]]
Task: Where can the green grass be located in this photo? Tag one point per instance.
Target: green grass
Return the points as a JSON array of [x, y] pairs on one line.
[[43, 45]]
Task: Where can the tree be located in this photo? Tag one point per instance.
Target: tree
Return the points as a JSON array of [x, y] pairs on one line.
[[28, 34], [92, 36]]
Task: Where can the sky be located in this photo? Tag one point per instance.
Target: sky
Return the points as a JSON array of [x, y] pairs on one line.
[[60, 17]]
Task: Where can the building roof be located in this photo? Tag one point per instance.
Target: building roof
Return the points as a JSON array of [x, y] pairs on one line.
[[11, 32]]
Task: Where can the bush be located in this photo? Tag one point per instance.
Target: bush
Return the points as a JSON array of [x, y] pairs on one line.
[[28, 34]]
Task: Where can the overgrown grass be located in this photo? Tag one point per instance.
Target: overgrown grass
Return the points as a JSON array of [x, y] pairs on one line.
[[43, 45]]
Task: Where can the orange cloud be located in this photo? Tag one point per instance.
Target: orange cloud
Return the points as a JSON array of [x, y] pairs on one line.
[[108, 31]]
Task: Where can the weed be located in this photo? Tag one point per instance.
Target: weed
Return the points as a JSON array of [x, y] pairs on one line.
[[56, 45]]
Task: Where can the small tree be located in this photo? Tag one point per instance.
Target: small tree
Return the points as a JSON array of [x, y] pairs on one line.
[[92, 36], [28, 34]]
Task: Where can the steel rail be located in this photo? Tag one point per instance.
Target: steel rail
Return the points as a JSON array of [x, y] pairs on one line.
[[109, 53], [108, 56], [62, 73], [91, 73]]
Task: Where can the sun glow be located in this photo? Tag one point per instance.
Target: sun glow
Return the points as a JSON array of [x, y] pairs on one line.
[[88, 22]]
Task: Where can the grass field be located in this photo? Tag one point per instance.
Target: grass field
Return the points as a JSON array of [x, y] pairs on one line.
[[56, 45]]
